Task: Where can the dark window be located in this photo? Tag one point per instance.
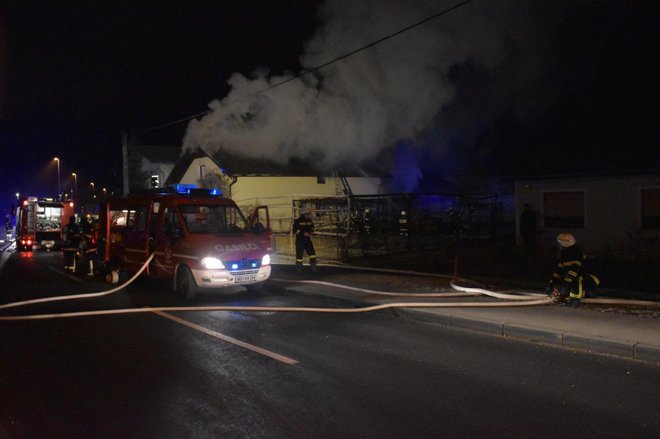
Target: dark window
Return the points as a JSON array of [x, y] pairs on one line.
[[171, 225], [563, 209], [651, 208], [320, 180]]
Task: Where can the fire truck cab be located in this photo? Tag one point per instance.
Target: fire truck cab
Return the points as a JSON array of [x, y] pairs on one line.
[[200, 240]]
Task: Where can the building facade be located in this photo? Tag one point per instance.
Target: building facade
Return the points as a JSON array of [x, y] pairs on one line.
[[604, 212]]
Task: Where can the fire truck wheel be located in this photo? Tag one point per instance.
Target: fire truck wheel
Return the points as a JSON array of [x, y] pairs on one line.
[[185, 285]]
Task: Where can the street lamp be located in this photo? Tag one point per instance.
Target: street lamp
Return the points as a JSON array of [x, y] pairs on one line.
[[105, 193], [59, 182], [75, 190]]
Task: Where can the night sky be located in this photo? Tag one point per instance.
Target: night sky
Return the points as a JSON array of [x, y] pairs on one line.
[[555, 86]]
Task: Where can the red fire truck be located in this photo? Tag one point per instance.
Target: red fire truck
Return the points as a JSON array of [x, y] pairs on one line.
[[39, 223], [200, 240]]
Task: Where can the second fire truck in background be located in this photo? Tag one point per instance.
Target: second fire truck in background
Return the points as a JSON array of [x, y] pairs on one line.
[[39, 223]]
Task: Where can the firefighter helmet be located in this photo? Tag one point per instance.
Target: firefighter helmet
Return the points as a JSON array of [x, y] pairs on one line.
[[566, 239]]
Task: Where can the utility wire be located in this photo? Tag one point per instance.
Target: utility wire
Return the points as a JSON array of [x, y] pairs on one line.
[[314, 69]]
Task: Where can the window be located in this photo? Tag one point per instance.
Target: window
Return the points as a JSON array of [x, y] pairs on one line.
[[651, 208], [171, 225], [207, 219], [563, 209], [320, 180]]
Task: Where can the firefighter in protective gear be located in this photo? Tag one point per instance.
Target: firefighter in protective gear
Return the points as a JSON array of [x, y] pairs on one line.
[[303, 228], [88, 245], [366, 222], [71, 246], [571, 280]]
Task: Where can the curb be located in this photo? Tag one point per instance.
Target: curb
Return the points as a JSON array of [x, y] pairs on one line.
[[628, 350]]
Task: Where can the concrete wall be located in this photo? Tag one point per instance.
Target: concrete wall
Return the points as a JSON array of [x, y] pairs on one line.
[[612, 208]]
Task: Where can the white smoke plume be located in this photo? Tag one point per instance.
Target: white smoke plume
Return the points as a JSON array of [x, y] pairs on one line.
[[353, 110]]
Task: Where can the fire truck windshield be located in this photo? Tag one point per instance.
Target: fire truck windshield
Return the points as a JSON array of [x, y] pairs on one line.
[[212, 219]]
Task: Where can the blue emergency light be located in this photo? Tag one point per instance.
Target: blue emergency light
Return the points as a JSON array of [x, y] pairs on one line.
[[181, 188], [192, 189]]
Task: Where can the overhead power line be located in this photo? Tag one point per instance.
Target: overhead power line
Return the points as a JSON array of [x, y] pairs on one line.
[[314, 69]]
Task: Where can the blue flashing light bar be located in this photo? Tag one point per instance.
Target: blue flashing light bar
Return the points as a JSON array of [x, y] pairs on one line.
[[191, 189], [184, 188]]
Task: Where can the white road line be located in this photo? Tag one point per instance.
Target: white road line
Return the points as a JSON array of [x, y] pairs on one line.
[[65, 274], [257, 349]]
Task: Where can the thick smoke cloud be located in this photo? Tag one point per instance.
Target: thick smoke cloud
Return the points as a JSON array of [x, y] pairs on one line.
[[358, 109]]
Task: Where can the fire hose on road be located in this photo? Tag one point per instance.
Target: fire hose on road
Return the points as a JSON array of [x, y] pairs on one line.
[[513, 300]]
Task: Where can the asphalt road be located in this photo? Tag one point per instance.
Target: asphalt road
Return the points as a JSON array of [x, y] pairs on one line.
[[265, 374]]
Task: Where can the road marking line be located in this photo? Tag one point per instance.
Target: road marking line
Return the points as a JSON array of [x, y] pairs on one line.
[[65, 274], [257, 349]]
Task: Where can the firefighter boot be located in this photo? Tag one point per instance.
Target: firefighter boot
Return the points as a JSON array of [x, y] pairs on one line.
[[299, 266], [312, 263]]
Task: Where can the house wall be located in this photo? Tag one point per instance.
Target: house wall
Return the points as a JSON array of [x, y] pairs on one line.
[[278, 192], [150, 168], [612, 209], [192, 174]]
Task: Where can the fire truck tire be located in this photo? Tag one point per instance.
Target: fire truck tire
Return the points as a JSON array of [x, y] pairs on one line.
[[184, 283]]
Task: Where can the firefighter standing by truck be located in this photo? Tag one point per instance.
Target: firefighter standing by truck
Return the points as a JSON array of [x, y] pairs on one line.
[[71, 246], [88, 245], [572, 279], [303, 228]]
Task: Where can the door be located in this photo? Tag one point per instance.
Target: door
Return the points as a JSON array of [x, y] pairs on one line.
[[167, 233], [136, 245]]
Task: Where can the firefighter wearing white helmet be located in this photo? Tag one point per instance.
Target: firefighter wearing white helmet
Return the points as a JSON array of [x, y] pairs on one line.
[[566, 240], [571, 280]]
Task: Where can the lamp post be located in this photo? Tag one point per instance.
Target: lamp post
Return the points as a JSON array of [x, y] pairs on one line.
[[75, 191], [59, 182]]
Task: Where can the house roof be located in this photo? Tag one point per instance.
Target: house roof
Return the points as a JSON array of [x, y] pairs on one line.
[[235, 165], [184, 163]]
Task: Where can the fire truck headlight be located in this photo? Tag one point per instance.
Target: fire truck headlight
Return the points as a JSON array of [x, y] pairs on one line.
[[212, 263], [265, 260]]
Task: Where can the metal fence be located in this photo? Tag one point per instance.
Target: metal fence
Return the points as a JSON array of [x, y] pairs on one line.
[[397, 223]]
